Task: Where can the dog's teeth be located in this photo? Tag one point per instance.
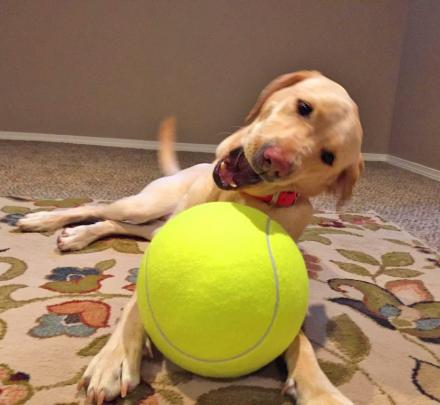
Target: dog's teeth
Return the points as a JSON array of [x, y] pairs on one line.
[[233, 185], [222, 165]]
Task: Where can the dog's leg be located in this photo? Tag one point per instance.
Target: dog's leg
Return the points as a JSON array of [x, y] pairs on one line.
[[81, 236], [306, 381], [159, 198], [136, 209], [116, 368]]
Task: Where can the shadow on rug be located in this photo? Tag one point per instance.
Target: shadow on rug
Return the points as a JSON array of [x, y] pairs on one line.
[[374, 316]]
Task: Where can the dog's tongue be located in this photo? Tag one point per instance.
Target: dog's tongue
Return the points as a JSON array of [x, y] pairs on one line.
[[234, 171]]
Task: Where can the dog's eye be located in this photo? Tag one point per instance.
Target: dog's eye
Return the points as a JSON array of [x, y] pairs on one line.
[[327, 157], [303, 108]]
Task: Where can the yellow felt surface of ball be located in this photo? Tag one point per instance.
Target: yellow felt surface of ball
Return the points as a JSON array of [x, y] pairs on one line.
[[222, 289]]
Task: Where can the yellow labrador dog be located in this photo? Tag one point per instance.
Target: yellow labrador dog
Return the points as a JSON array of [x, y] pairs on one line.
[[302, 138]]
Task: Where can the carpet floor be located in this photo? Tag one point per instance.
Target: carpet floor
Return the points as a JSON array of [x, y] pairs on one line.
[[374, 316]]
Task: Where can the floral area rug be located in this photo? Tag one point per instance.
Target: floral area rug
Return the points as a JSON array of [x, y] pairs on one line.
[[374, 316]]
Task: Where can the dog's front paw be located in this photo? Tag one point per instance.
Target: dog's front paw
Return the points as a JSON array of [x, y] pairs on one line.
[[75, 238], [314, 395], [114, 371], [42, 221], [289, 388]]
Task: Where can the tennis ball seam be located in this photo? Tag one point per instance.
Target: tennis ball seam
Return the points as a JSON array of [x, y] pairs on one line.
[[259, 341]]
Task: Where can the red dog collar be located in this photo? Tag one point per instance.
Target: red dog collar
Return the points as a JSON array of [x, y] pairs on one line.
[[281, 199]]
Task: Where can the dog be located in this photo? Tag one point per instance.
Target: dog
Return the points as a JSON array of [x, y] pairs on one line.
[[302, 138]]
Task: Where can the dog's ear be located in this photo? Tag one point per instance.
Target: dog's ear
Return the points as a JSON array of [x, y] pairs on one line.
[[286, 80], [344, 184]]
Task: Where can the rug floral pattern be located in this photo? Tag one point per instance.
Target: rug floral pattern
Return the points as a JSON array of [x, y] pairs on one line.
[[374, 316]]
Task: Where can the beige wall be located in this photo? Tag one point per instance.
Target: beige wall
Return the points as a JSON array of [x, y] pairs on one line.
[[416, 125], [114, 68]]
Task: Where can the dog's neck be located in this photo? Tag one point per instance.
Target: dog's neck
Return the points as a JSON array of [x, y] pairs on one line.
[[280, 199]]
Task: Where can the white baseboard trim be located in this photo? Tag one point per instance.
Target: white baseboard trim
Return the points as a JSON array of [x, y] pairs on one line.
[[98, 141], [193, 147], [426, 171], [375, 157]]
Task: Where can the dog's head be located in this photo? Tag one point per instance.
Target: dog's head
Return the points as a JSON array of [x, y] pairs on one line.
[[303, 135]]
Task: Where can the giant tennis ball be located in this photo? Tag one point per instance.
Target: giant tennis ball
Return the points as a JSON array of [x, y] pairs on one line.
[[222, 289]]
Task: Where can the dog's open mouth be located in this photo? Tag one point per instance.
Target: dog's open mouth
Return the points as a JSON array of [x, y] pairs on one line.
[[234, 171]]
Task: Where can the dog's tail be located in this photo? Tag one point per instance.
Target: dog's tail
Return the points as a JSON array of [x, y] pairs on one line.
[[167, 155]]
